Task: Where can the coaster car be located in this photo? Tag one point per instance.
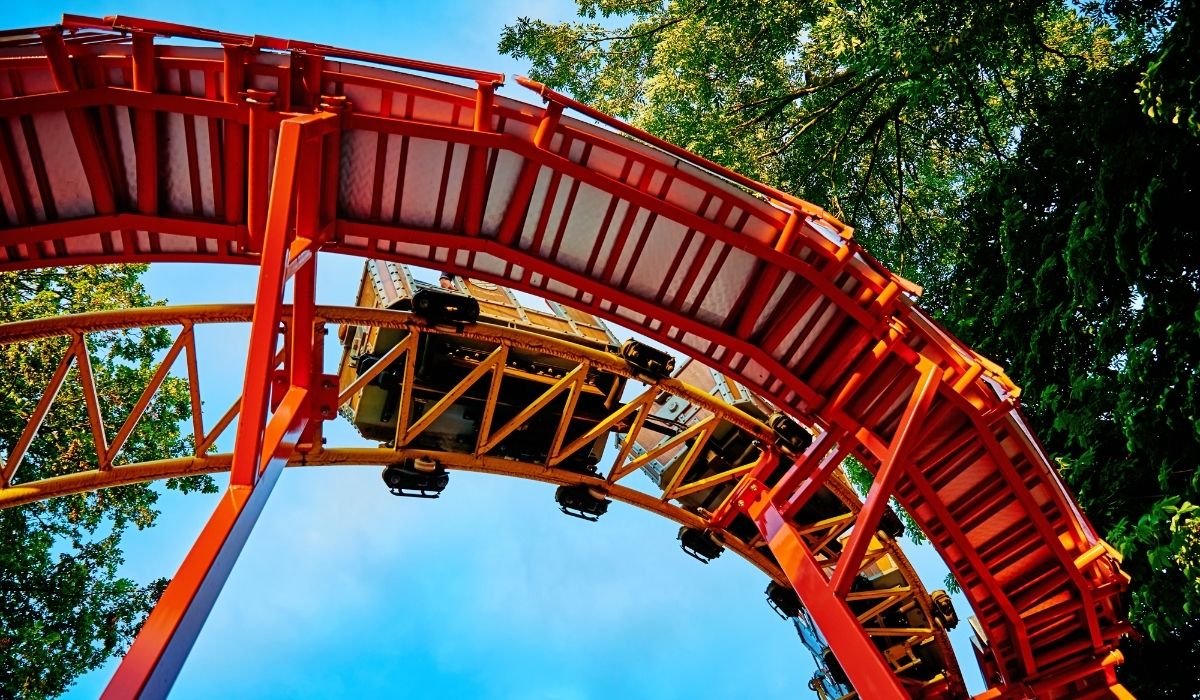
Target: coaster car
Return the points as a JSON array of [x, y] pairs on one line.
[[700, 544], [582, 501], [417, 478]]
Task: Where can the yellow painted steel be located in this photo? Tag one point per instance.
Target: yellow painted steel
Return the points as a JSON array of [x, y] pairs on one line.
[[504, 338], [94, 480]]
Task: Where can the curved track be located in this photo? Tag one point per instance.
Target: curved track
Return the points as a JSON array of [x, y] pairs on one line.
[[822, 528], [263, 151]]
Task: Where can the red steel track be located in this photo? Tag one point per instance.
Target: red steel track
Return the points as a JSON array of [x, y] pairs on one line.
[[117, 148]]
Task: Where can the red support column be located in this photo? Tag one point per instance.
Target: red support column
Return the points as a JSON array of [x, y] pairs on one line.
[[261, 447], [885, 481], [153, 662], [864, 664], [268, 304], [824, 599]]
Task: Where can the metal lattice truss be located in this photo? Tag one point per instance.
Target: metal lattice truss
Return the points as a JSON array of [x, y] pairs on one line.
[[819, 536], [118, 147]]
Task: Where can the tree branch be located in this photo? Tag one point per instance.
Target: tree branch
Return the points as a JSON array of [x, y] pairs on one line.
[[977, 107], [816, 117], [781, 102], [636, 35], [862, 188]]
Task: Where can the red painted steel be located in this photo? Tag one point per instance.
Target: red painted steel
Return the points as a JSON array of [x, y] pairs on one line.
[[881, 491], [863, 663], [105, 162], [153, 662]]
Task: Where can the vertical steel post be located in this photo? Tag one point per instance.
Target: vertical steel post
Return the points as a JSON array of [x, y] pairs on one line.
[[261, 448], [825, 599], [865, 666]]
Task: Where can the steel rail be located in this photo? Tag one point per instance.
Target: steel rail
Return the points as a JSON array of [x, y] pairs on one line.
[[794, 344], [142, 472], [188, 317]]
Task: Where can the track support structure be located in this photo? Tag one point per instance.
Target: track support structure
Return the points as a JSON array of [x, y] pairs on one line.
[[549, 205], [825, 596], [277, 409]]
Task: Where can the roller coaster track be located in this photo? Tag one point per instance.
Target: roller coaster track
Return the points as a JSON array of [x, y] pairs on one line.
[[117, 147], [584, 362]]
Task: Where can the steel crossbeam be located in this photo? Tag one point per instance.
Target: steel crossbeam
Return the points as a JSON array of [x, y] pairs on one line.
[[824, 331], [262, 445]]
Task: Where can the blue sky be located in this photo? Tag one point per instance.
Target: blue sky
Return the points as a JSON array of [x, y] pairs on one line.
[[489, 592]]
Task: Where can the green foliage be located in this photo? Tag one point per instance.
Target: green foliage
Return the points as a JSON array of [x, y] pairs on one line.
[[1179, 553], [861, 479], [951, 584], [1033, 164], [883, 112], [1170, 89], [64, 608], [1085, 278]]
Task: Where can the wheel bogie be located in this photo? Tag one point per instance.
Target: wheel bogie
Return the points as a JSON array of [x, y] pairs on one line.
[[418, 478], [582, 501], [700, 544], [791, 437], [783, 600], [646, 361], [439, 306]]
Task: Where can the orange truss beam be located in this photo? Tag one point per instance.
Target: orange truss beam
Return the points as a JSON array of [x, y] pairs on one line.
[[375, 162]]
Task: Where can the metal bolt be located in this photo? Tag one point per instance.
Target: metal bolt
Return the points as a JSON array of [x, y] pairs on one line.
[[741, 503]]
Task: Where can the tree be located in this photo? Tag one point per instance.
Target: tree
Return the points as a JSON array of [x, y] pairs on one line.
[[1031, 163], [64, 607], [1083, 276], [883, 112]]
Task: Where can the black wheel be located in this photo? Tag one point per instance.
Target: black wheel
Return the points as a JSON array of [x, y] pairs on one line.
[[651, 362], [393, 477]]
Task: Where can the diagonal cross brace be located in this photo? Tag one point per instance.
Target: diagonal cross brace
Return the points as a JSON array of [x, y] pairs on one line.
[[261, 447], [885, 481]]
